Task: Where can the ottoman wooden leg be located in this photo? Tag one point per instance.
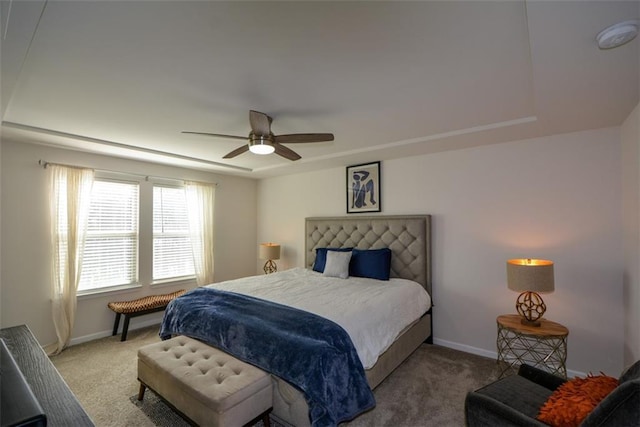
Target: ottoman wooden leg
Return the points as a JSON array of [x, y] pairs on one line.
[[141, 392], [266, 421]]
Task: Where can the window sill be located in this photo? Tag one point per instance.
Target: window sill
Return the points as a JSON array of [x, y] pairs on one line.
[[187, 280], [95, 293]]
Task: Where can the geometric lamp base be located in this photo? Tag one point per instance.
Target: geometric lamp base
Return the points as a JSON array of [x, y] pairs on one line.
[[270, 267], [530, 307]]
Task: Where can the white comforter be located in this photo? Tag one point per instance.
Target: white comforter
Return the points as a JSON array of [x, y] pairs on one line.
[[373, 312]]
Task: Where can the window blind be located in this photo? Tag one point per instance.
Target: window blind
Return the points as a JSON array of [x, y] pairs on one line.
[[172, 253], [111, 247]]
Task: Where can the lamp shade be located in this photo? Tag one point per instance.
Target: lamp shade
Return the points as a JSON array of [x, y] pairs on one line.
[[269, 251], [530, 275]]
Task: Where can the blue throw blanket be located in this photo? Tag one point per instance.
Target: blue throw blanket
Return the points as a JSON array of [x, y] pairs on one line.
[[312, 353]]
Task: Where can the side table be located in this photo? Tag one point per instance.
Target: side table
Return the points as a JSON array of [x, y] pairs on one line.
[[543, 346]]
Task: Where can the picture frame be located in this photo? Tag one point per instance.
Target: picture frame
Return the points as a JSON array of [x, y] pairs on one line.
[[363, 188]]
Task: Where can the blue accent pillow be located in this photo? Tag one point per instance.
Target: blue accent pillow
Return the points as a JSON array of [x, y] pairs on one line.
[[372, 263], [321, 257]]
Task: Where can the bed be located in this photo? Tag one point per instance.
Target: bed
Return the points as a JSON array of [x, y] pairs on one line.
[[408, 238]]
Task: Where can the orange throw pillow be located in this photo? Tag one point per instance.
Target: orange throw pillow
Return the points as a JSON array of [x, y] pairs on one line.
[[570, 403]]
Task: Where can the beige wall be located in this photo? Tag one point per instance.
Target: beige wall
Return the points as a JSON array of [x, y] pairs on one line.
[[25, 283], [557, 198], [630, 137]]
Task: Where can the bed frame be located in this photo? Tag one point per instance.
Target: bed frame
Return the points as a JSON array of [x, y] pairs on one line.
[[409, 238]]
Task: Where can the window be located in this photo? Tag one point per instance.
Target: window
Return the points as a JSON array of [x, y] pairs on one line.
[[111, 247], [137, 233], [172, 253]]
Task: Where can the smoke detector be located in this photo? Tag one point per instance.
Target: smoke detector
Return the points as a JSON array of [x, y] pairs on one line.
[[617, 34]]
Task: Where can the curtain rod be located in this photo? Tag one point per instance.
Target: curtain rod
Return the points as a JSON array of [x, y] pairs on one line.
[[44, 164]]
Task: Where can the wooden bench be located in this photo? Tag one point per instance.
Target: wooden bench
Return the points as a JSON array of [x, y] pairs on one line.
[[139, 307], [205, 385]]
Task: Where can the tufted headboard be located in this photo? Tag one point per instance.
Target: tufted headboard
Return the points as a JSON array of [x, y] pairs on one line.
[[408, 237]]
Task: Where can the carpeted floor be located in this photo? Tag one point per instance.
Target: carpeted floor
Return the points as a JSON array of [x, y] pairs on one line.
[[428, 389]]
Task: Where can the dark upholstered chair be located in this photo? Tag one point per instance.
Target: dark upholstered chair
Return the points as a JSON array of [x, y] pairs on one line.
[[515, 400]]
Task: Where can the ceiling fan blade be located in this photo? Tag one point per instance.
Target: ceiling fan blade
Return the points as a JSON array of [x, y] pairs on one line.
[[297, 138], [285, 152], [260, 123], [218, 135], [237, 152]]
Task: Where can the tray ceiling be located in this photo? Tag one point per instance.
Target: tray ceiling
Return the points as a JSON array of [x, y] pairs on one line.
[[389, 79]]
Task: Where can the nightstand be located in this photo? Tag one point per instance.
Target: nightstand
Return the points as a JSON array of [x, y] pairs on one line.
[[543, 346]]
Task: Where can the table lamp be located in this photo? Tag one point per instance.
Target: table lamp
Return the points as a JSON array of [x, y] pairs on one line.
[[270, 252], [530, 276]]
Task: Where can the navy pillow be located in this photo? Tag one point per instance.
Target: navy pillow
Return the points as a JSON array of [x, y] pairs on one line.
[[372, 263], [321, 257]]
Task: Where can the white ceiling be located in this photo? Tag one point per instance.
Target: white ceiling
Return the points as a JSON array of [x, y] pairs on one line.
[[389, 79]]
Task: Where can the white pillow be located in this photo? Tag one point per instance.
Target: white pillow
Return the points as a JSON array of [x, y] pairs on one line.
[[337, 264]]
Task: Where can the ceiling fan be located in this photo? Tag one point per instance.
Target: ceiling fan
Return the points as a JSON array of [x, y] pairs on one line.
[[262, 141]]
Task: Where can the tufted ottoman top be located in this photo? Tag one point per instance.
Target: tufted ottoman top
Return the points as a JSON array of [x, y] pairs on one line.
[[204, 373]]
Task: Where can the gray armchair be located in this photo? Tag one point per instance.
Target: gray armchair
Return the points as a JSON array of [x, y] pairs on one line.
[[515, 401]]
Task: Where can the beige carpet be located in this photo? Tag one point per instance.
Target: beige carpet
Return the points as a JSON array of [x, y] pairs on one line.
[[427, 390]]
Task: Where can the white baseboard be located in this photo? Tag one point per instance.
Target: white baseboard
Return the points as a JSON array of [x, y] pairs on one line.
[[466, 348], [103, 334], [490, 354]]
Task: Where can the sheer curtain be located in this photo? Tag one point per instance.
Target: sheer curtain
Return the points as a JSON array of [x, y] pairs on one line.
[[200, 200], [70, 200]]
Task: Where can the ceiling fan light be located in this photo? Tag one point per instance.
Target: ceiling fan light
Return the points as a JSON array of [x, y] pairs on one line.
[[261, 145], [261, 149]]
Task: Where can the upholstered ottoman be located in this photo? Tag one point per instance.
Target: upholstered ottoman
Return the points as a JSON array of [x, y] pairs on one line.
[[205, 384]]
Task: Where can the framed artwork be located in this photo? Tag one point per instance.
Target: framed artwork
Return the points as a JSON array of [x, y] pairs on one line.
[[363, 188]]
